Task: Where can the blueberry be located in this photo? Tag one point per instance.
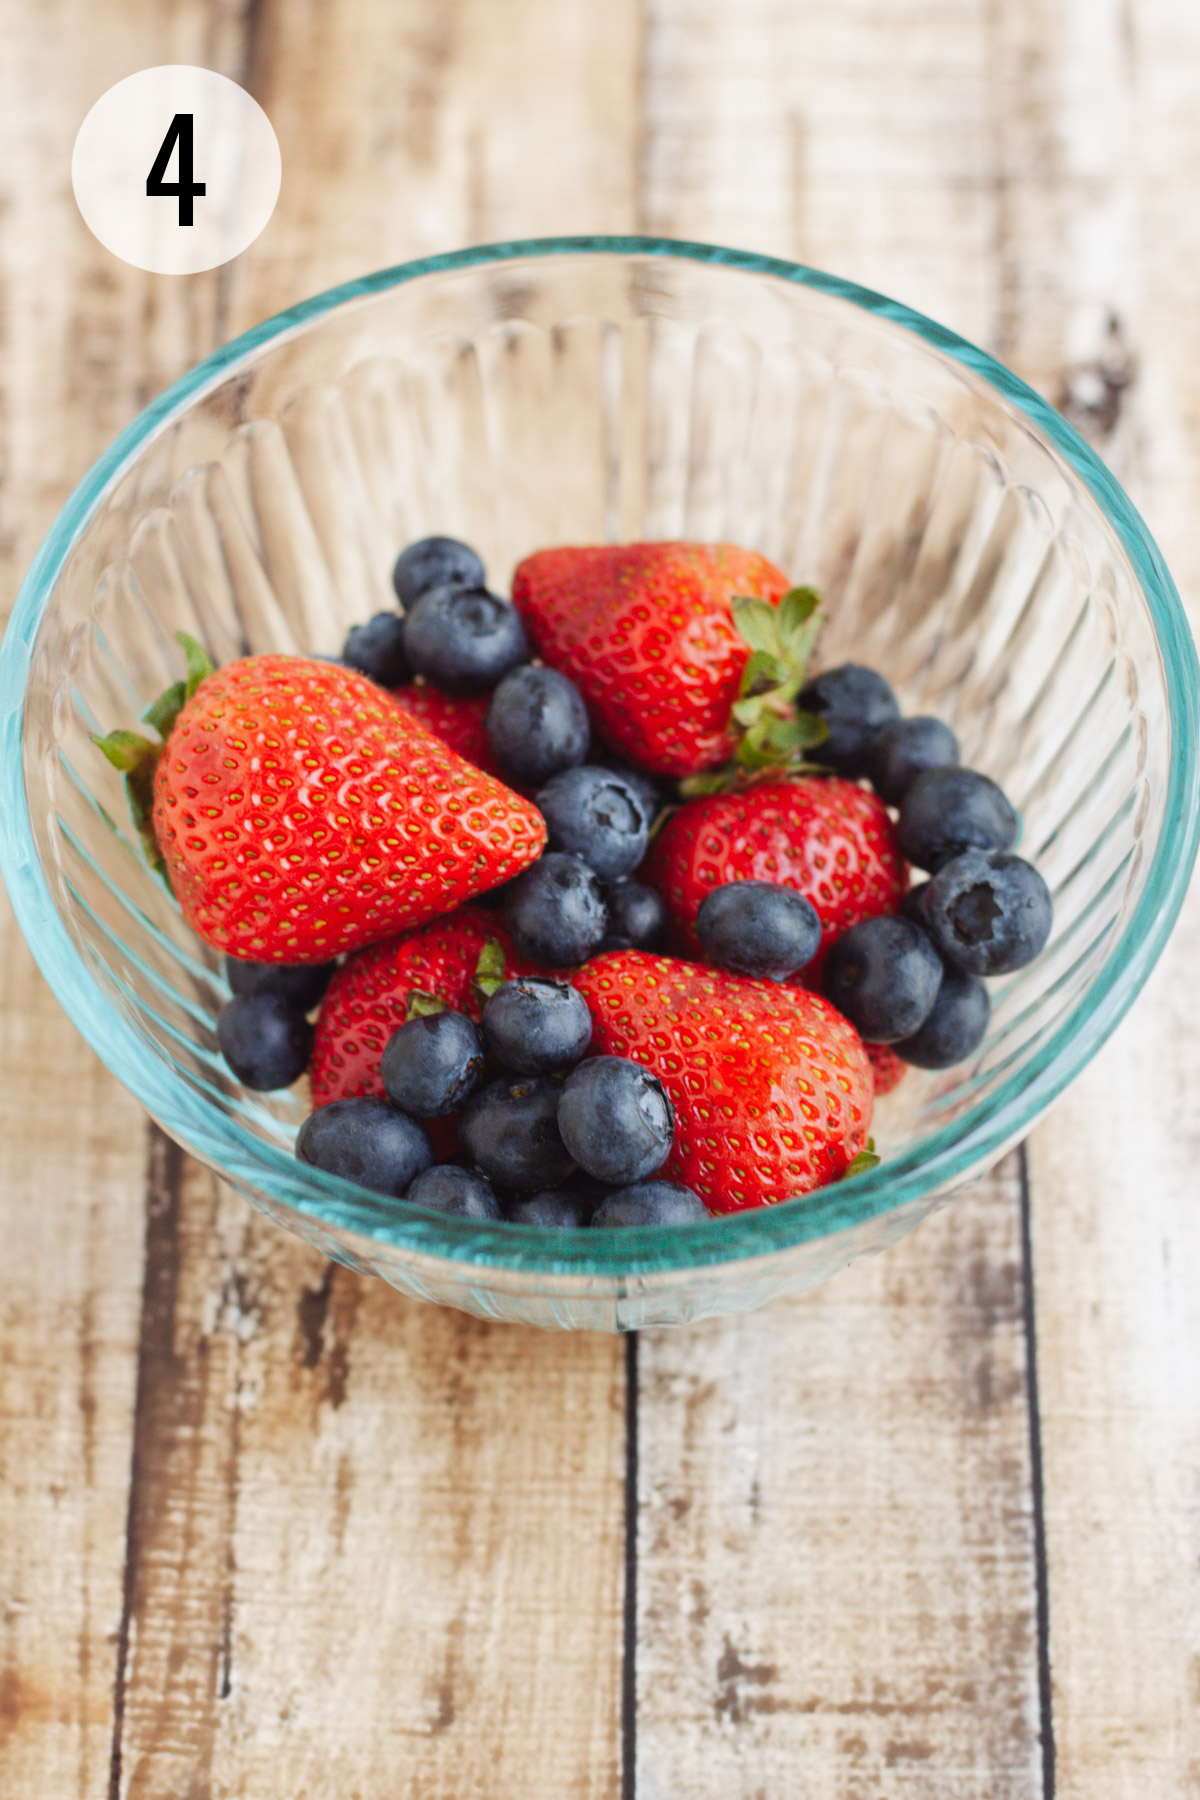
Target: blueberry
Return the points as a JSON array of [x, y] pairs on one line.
[[366, 1141], [555, 911], [435, 562], [534, 1026], [949, 810], [377, 649], [989, 913], [431, 1064], [447, 1188], [903, 750], [592, 813], [556, 1207], [265, 1039], [759, 928], [509, 1129], [615, 1119], [856, 704], [302, 984], [464, 639], [914, 903], [537, 724], [637, 917], [883, 974], [654, 791], [954, 1028], [650, 1203]]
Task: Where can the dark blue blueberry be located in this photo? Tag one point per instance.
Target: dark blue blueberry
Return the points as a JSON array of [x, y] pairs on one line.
[[759, 928], [592, 813], [366, 1141], [856, 704], [904, 750], [654, 791], [558, 1208], [509, 1129], [535, 1026], [537, 724], [949, 810], [954, 1028], [302, 984], [447, 1188], [435, 562], [265, 1039], [376, 649], [555, 911], [637, 917], [464, 639], [883, 974], [650, 1203], [989, 913], [914, 903], [431, 1064], [615, 1119]]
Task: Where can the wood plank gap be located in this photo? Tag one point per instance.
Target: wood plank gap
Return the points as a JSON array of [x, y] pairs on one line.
[[629, 1662], [1037, 1488], [164, 1179]]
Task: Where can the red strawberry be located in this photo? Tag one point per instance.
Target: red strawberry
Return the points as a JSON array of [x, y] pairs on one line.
[[301, 813], [828, 838], [646, 632], [458, 719], [771, 1085], [886, 1067], [369, 995]]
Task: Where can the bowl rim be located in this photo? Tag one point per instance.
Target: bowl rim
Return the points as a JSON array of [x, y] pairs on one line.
[[937, 1162]]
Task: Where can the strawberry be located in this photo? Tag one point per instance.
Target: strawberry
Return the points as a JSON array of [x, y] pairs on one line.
[[458, 719], [453, 962], [300, 812], [886, 1067], [771, 1085], [647, 633], [828, 838]]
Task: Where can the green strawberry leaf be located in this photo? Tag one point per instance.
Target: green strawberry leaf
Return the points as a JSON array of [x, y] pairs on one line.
[[421, 1005], [200, 664], [795, 609], [866, 1159], [125, 750], [489, 971], [755, 620], [163, 712], [714, 781]]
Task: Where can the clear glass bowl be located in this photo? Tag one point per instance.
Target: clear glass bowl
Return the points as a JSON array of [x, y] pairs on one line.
[[967, 542]]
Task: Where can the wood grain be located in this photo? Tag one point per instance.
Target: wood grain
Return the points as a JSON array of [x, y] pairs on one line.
[[347, 1547], [837, 1561], [347, 1543], [85, 340], [836, 1574], [1116, 1228]]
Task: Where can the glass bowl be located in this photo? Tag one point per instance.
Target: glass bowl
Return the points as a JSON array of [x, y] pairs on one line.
[[967, 542]]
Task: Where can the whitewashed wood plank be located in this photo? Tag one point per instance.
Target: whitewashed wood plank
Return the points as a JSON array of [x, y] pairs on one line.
[[365, 1534], [835, 1579], [1116, 1227], [837, 1570], [85, 341]]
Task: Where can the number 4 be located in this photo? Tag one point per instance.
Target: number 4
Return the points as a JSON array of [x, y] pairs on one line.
[[179, 132]]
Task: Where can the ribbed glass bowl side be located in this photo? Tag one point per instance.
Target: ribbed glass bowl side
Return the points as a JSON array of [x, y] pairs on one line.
[[964, 540]]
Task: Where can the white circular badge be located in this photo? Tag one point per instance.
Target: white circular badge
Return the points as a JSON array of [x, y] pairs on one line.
[[176, 169]]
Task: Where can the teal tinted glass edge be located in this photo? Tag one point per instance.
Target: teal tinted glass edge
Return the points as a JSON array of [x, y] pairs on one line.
[[937, 1161]]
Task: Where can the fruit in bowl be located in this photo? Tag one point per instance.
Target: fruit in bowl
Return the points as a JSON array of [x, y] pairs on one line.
[[970, 550], [306, 810]]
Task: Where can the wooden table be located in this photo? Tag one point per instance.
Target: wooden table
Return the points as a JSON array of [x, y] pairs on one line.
[[269, 1532]]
